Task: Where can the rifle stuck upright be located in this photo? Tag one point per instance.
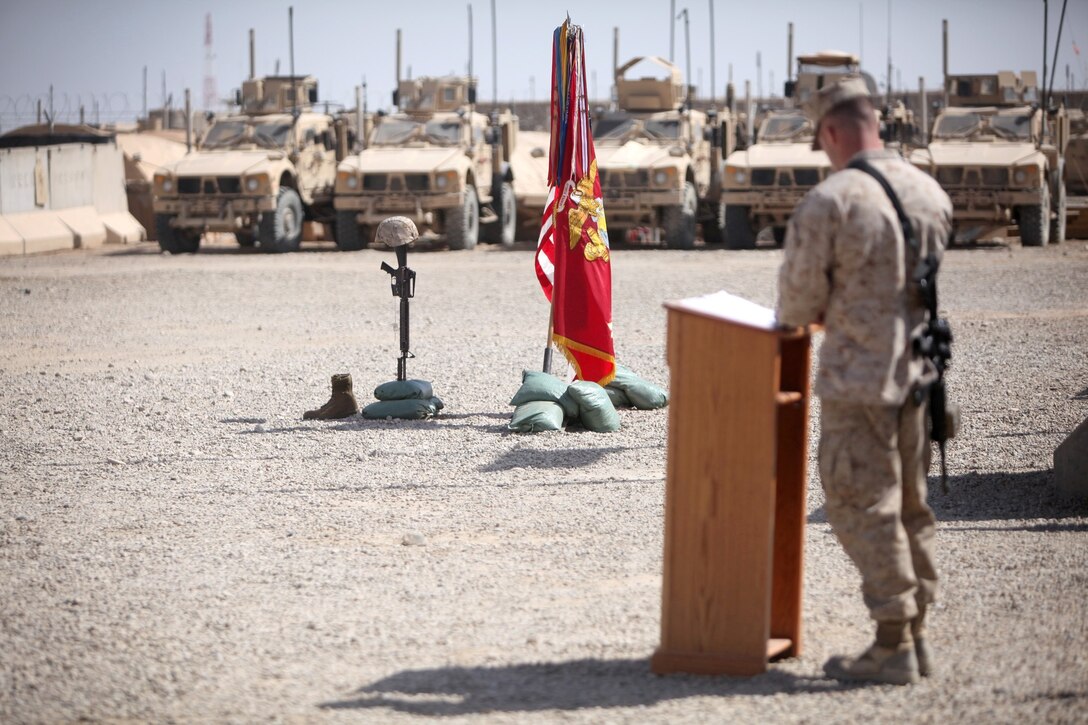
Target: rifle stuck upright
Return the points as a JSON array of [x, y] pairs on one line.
[[398, 232]]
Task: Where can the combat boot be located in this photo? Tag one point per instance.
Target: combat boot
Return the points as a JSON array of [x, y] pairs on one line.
[[890, 659], [921, 644], [342, 403]]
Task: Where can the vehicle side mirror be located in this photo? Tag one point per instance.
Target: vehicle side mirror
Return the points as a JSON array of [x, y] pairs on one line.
[[791, 86], [237, 97], [396, 98], [313, 94], [472, 94]]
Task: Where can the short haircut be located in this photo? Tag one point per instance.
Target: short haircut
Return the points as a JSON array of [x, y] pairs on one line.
[[859, 111]]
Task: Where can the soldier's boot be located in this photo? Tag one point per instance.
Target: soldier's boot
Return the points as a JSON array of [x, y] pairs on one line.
[[921, 644], [341, 404], [890, 659]]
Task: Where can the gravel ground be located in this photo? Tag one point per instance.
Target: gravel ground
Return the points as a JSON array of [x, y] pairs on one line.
[[176, 544]]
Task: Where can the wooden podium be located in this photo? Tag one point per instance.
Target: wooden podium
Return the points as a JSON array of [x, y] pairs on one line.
[[735, 494]]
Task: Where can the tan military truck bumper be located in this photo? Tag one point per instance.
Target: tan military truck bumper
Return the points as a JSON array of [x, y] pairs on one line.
[[630, 208], [216, 215], [375, 209], [773, 206], [985, 205]]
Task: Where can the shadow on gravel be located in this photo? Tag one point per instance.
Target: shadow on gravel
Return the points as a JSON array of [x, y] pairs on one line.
[[573, 685], [561, 458], [999, 496]]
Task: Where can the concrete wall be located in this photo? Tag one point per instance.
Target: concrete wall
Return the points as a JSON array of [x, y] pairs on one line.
[[63, 196]]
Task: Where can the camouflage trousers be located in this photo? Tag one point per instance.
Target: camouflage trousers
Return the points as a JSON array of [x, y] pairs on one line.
[[873, 465]]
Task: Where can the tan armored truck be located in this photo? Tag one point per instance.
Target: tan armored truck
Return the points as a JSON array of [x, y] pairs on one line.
[[258, 173], [660, 161], [988, 151], [435, 161], [764, 182]]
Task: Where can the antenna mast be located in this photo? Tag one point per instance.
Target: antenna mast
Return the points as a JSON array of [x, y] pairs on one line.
[[210, 91]]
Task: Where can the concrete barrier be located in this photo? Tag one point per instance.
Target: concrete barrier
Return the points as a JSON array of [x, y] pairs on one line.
[[62, 188], [87, 228], [42, 231]]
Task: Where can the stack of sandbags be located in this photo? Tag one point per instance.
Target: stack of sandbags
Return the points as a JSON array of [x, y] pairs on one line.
[[544, 402], [408, 399], [628, 390]]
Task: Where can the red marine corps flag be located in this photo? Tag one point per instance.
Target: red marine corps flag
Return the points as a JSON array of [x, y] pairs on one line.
[[572, 259]]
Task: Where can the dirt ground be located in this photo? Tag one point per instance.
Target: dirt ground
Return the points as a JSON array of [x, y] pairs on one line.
[[178, 545]]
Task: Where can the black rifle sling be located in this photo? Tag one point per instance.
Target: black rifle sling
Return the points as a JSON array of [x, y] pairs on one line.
[[926, 277]]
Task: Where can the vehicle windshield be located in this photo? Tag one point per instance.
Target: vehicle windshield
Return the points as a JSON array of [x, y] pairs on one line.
[[395, 131], [623, 129], [957, 126], [236, 133], [784, 128], [1016, 126], [1006, 126]]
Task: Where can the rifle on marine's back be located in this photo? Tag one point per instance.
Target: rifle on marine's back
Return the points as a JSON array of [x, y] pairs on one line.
[[935, 341]]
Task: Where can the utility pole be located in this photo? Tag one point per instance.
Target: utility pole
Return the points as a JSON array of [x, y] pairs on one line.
[[672, 29], [888, 88], [713, 88]]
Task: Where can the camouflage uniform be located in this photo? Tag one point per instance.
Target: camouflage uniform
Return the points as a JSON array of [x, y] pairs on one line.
[[845, 266]]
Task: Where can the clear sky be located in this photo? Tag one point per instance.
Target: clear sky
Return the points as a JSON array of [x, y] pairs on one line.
[[98, 48]]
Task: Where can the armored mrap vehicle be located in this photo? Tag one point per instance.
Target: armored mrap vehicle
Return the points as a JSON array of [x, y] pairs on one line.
[[764, 182], [435, 161], [660, 161], [989, 153], [258, 173]]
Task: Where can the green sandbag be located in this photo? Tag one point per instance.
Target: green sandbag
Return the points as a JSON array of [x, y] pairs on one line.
[[643, 395], [542, 386], [618, 397], [537, 415], [404, 390], [410, 409], [595, 410]]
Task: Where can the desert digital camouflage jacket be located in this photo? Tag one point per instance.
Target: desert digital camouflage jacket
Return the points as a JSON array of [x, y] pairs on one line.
[[845, 265]]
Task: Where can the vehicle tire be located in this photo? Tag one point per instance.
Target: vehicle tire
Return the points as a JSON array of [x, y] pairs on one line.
[[173, 240], [679, 220], [738, 229], [245, 238], [281, 229], [779, 234], [502, 231], [1034, 221], [714, 226], [1057, 224], [350, 237], [463, 222]]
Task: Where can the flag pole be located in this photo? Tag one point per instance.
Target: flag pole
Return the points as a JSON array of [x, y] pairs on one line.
[[548, 346]]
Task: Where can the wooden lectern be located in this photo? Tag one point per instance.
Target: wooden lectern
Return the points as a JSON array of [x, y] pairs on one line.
[[735, 493]]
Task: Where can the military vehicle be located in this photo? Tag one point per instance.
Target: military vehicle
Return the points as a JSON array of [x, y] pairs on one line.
[[764, 182], [659, 160], [259, 173], [989, 152], [1076, 173], [436, 161]]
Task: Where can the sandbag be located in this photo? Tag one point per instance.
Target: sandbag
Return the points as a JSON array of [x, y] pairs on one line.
[[643, 395], [618, 397], [595, 410], [404, 390], [537, 385], [409, 409], [537, 415]]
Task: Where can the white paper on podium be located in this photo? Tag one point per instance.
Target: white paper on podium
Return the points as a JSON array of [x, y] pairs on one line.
[[725, 306]]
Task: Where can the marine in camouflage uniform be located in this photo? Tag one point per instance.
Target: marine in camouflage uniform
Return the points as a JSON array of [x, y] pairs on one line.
[[848, 267]]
